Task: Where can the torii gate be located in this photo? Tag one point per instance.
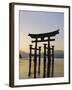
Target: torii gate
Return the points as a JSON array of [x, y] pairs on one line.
[[41, 38]]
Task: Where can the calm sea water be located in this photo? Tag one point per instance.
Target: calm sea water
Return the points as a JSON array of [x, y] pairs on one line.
[[24, 68], [42, 59], [59, 58]]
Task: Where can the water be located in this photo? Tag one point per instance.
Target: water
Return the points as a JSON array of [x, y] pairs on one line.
[[59, 59], [42, 59], [24, 68]]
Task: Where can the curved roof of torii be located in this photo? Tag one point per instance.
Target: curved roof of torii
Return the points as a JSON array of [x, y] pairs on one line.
[[42, 35]]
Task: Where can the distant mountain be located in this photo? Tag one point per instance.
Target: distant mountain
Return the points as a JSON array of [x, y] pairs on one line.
[[57, 54], [23, 54]]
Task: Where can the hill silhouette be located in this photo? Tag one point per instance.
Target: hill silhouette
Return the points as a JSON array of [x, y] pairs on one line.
[[57, 54]]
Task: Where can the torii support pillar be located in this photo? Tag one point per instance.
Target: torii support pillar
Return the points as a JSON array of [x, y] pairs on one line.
[[44, 66], [39, 60], [35, 59], [30, 61], [52, 61], [49, 59]]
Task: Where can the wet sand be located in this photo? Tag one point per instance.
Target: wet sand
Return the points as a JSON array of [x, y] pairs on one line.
[[24, 68]]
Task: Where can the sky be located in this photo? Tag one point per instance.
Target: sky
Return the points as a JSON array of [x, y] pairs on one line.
[[40, 22]]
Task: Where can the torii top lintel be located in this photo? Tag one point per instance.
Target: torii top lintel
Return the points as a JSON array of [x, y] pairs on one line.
[[43, 35]]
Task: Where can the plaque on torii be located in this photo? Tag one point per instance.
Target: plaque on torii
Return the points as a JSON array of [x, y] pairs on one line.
[[43, 37]]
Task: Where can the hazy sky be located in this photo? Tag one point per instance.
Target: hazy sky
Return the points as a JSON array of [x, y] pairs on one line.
[[41, 22]]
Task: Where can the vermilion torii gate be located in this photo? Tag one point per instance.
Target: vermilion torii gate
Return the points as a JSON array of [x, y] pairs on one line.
[[49, 55]]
